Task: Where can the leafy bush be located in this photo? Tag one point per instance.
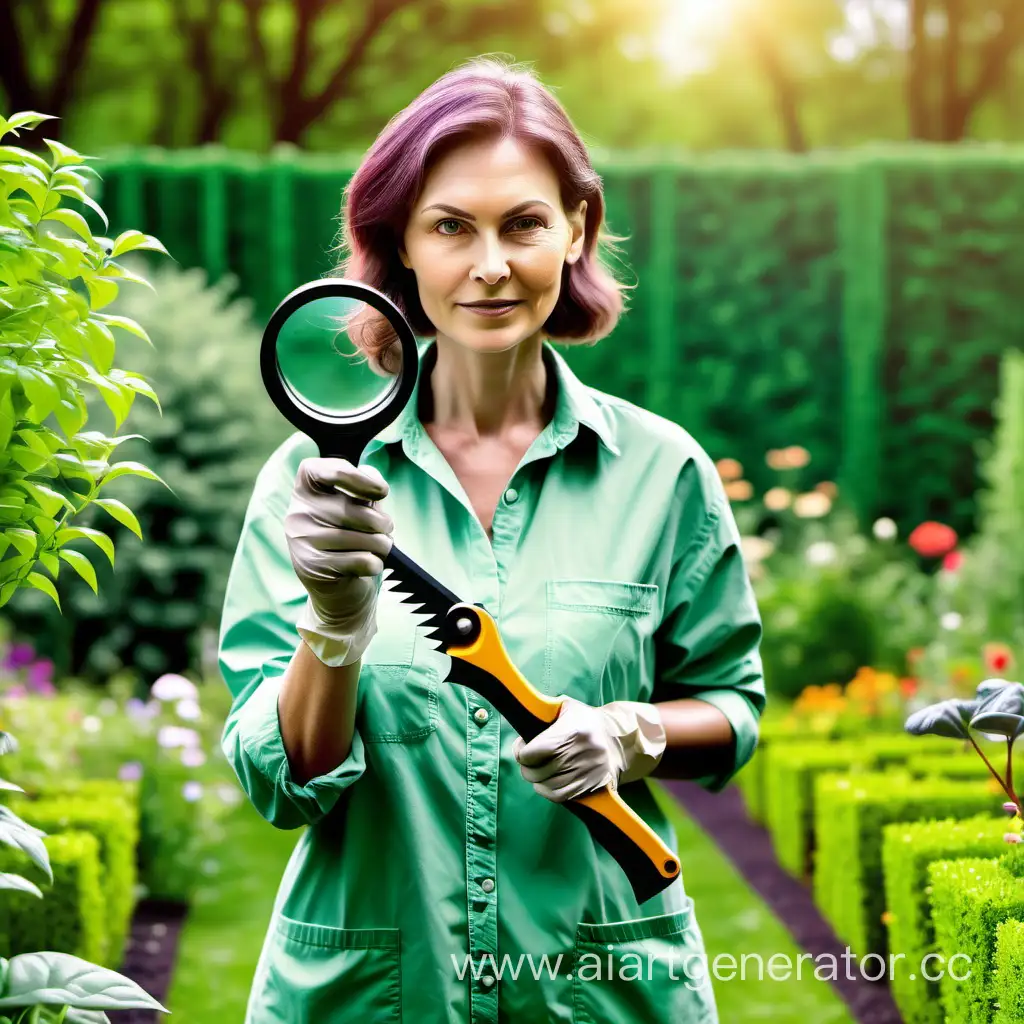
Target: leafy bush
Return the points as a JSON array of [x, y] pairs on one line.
[[54, 341], [216, 430]]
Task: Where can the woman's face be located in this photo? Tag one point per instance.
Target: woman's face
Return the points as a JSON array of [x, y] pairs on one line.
[[489, 224]]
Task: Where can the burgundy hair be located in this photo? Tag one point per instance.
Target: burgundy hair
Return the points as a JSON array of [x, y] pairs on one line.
[[483, 97]]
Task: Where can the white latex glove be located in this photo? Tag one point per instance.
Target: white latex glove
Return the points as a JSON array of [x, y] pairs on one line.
[[587, 748], [337, 544]]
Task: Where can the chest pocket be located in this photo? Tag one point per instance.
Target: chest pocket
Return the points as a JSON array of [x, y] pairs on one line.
[[398, 682], [598, 645]]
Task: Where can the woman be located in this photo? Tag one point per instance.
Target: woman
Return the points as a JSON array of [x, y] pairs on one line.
[[440, 879]]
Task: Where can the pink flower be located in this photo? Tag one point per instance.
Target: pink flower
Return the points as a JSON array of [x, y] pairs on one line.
[[130, 771]]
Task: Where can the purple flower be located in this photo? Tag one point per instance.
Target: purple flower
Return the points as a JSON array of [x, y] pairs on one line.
[[130, 771], [39, 673], [19, 655], [16, 691], [135, 708], [192, 791]]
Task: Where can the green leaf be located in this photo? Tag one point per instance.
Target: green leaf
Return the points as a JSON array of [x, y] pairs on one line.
[[63, 155], [127, 241], [15, 154], [26, 119], [68, 980], [70, 412], [132, 469], [49, 500], [71, 219], [99, 345], [81, 564], [7, 419], [948, 718], [50, 562], [126, 324], [14, 832], [30, 461], [74, 192], [8, 744], [11, 787], [40, 582], [138, 384], [24, 541], [102, 290], [40, 389], [121, 512], [98, 537]]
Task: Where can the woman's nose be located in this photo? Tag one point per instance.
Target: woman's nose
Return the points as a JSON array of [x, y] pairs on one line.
[[491, 264]]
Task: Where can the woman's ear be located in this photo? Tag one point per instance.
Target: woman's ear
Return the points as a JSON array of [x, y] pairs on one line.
[[577, 232], [404, 257]]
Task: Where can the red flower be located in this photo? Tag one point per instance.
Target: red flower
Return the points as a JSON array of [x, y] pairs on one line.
[[908, 686], [953, 561], [932, 540], [998, 657]]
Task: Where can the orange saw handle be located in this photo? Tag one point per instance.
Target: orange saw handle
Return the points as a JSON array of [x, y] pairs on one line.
[[473, 638]]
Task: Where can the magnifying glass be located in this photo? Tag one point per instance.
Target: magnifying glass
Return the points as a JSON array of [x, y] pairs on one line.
[[322, 383], [317, 376]]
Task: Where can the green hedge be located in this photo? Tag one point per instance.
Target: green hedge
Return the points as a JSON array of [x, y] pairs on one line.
[[850, 813], [115, 823], [855, 303], [751, 778], [1008, 977], [789, 771], [962, 766], [71, 916], [110, 810], [969, 898], [907, 850]]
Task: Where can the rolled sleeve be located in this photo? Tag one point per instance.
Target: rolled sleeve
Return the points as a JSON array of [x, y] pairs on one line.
[[708, 644], [252, 743], [257, 641]]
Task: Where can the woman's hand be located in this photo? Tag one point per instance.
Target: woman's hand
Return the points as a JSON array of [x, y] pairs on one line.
[[337, 540], [588, 748]]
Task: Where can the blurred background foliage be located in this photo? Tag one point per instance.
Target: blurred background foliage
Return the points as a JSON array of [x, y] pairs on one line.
[[639, 78], [705, 74]]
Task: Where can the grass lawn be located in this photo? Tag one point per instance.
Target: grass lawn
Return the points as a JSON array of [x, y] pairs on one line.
[[221, 941]]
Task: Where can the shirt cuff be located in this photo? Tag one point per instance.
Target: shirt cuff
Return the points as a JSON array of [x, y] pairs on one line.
[[259, 732], [744, 721]]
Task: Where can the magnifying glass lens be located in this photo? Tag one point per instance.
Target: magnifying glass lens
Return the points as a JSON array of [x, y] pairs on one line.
[[320, 364]]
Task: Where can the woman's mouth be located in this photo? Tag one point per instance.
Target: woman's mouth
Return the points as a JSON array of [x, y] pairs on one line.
[[492, 310]]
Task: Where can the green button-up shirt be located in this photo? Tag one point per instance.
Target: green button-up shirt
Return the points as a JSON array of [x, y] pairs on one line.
[[432, 878]]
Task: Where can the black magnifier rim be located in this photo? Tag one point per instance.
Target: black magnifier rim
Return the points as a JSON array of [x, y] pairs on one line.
[[321, 425]]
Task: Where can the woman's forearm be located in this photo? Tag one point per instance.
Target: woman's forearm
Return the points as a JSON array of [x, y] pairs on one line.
[[699, 740], [317, 711]]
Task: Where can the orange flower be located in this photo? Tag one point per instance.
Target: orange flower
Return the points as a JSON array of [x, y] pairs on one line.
[[828, 488], [914, 655], [932, 540]]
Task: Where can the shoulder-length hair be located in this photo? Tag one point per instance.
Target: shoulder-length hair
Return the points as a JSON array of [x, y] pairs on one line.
[[483, 97]]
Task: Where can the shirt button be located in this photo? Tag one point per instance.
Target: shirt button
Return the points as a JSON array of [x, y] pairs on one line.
[[483, 775], [487, 885], [511, 496], [487, 981], [481, 715]]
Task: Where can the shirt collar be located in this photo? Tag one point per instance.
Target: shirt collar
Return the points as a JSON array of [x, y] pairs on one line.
[[574, 405]]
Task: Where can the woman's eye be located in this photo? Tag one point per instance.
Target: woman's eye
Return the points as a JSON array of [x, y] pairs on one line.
[[536, 222], [449, 221]]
